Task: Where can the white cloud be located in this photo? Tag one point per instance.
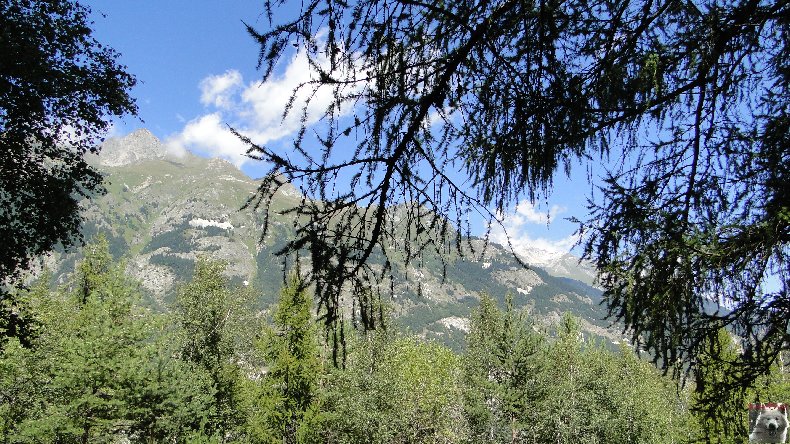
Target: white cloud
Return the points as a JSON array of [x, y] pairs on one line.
[[175, 149], [255, 109], [218, 90], [519, 228], [264, 103], [526, 212], [208, 134]]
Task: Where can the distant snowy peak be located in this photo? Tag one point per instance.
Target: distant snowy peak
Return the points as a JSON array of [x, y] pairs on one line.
[[541, 257], [135, 147], [558, 263]]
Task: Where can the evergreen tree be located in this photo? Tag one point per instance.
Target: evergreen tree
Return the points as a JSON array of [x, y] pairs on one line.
[[572, 405], [91, 336], [21, 372], [281, 401], [96, 369], [501, 367], [166, 399], [450, 108], [213, 319], [775, 386], [722, 421]]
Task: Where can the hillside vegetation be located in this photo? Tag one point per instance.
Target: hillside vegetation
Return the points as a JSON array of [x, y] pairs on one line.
[[163, 211], [104, 368]]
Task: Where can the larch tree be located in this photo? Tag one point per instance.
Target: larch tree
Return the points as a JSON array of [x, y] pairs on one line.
[[449, 110]]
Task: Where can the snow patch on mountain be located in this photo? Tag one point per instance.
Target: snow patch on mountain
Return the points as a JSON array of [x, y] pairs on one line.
[[203, 223]]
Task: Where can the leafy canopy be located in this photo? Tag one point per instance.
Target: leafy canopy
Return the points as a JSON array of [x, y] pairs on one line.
[[445, 110], [59, 87]]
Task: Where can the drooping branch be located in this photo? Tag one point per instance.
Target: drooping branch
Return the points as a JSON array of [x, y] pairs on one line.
[[472, 106]]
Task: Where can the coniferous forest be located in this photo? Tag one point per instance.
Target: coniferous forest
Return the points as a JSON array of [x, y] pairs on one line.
[[101, 367]]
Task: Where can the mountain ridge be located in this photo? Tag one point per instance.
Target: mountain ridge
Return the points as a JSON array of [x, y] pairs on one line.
[[162, 211]]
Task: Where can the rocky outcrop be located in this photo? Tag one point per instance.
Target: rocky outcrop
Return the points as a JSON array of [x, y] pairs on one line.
[[137, 146]]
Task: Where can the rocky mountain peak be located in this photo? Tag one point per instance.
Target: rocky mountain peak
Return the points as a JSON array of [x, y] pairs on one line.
[[133, 148], [559, 263]]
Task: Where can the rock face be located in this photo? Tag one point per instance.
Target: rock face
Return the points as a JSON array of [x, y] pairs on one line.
[[560, 264], [136, 147], [162, 212]]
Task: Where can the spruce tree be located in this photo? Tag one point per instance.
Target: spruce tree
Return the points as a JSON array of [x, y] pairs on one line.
[[281, 401], [98, 367], [500, 369], [211, 314]]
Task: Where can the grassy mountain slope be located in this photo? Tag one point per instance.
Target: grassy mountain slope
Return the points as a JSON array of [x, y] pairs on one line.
[[162, 211]]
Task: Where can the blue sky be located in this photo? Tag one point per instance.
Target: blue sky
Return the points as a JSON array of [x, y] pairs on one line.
[[196, 67], [171, 46]]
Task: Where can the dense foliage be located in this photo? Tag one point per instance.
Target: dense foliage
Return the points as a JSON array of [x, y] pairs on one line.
[[99, 366], [282, 401], [445, 109], [59, 88], [104, 369]]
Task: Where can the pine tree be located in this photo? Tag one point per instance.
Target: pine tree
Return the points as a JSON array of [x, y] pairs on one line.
[[91, 336]]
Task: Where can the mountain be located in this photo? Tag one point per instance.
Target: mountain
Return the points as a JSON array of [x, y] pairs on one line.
[[559, 264], [162, 211], [136, 147]]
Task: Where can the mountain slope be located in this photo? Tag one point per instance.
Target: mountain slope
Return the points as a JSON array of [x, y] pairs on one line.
[[163, 211]]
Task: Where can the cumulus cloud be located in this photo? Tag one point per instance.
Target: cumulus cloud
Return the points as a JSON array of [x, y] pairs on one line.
[[255, 109], [209, 134], [520, 226], [526, 212], [264, 103], [218, 90]]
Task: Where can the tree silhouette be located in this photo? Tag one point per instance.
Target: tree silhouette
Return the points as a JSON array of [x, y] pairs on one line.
[[58, 89], [446, 110]]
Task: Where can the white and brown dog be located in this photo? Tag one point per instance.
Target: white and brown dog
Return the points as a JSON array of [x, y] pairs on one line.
[[768, 422]]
